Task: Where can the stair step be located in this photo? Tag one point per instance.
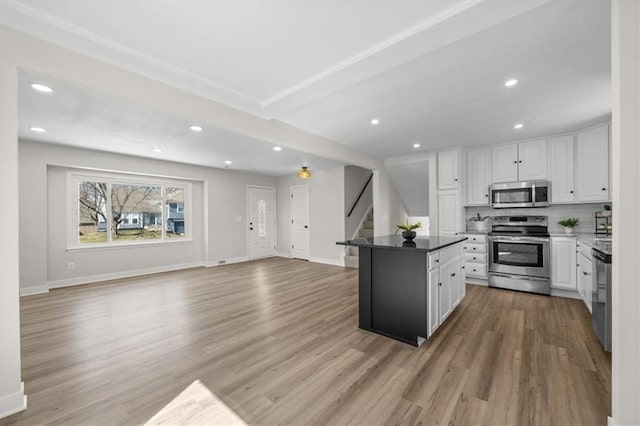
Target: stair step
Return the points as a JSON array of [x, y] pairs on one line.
[[351, 261], [366, 233], [352, 251]]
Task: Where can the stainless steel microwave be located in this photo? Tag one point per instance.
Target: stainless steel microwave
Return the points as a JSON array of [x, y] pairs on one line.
[[534, 193]]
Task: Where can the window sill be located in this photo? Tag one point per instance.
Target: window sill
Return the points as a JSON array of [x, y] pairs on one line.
[[115, 246]]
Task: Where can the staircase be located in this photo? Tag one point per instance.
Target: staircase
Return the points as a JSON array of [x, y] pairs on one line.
[[351, 259]]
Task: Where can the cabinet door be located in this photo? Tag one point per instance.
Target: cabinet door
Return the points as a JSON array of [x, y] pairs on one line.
[[584, 279], [532, 160], [434, 301], [447, 274], [504, 163], [449, 169], [563, 263], [592, 165], [478, 176], [449, 212], [561, 169]]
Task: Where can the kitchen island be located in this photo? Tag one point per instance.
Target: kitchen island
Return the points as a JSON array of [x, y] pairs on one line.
[[408, 288]]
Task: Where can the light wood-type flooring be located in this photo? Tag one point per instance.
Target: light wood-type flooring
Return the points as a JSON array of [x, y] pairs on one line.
[[276, 341]]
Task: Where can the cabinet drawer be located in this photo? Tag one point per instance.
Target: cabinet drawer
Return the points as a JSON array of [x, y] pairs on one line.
[[478, 270], [475, 248], [446, 254], [476, 238], [475, 258], [585, 249], [433, 260]]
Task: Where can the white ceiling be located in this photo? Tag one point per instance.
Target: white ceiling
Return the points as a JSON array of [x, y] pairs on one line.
[[75, 116], [432, 71]]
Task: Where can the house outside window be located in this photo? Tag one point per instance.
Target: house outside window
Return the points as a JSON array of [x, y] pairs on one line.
[[110, 209]]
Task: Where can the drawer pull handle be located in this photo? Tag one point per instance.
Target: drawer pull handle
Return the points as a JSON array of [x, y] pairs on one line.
[[453, 275]]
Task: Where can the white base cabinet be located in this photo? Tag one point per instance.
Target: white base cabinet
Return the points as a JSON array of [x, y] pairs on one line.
[[446, 284], [563, 263]]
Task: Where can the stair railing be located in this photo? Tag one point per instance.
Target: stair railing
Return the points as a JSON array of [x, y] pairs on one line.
[[360, 195]]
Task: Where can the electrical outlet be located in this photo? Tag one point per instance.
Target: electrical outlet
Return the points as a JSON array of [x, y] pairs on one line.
[[71, 266]]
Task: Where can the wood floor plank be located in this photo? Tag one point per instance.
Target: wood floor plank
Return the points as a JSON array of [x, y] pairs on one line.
[[275, 341]]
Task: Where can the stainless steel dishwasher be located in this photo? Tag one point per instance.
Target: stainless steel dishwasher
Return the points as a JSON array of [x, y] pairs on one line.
[[601, 294]]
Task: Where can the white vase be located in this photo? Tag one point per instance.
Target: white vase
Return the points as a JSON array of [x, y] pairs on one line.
[[568, 231]]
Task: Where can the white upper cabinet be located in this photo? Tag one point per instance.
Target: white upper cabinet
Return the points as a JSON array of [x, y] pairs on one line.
[[519, 161], [449, 215], [532, 160], [449, 169], [504, 163], [478, 176], [561, 169], [592, 165]]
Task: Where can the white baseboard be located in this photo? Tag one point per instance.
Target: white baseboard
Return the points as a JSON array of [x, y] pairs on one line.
[[610, 421], [287, 255], [334, 262], [13, 403], [124, 274], [559, 292], [38, 289]]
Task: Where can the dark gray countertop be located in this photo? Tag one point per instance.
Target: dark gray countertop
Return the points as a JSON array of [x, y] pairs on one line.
[[425, 244]]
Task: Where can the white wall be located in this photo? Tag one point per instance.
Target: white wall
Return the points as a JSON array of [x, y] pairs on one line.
[[219, 198], [354, 179], [388, 209], [625, 128], [326, 214]]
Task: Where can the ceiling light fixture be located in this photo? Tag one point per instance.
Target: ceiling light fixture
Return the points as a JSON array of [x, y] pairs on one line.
[[277, 148], [228, 162], [375, 121], [510, 83], [195, 128], [416, 145], [41, 88], [156, 150], [304, 173], [37, 129], [518, 126]]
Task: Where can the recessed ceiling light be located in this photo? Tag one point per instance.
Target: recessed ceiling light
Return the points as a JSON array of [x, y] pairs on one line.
[[375, 121], [156, 150], [41, 88], [277, 148], [195, 128], [518, 126], [37, 129], [227, 162], [510, 83], [416, 145]]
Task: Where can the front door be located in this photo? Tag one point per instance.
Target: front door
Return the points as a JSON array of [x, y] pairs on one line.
[[262, 222], [300, 222]]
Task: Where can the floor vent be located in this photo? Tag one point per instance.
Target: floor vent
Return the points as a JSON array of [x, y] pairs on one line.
[[222, 262]]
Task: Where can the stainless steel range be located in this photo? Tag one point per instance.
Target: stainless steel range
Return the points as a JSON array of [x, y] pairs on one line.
[[519, 254]]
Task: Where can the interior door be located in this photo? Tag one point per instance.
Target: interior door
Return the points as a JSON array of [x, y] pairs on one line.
[[300, 222], [262, 222]]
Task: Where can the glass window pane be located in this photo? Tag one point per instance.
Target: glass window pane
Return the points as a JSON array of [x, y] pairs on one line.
[[140, 202], [92, 212], [174, 212]]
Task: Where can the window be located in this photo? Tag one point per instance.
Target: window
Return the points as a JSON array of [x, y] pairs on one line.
[[111, 209]]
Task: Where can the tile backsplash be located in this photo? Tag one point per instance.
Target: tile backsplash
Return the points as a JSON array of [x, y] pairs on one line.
[[584, 212]]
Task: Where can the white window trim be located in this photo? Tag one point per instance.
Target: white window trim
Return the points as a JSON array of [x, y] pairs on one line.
[[73, 177]]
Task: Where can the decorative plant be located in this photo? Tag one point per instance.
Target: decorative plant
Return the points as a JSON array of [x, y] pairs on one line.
[[408, 226], [572, 222]]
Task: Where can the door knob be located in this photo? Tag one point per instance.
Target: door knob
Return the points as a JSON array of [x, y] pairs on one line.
[[306, 227]]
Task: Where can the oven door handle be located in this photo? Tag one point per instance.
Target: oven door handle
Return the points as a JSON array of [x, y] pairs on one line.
[[518, 239]]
